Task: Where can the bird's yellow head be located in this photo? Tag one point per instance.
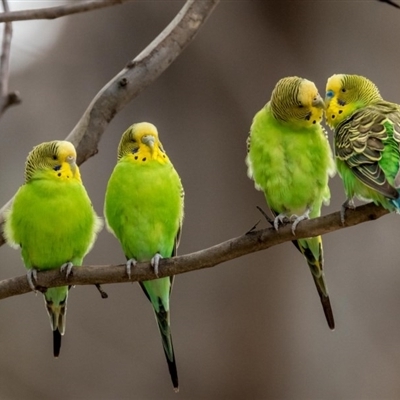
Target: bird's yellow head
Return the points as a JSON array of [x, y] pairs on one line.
[[346, 94], [297, 100], [52, 160], [140, 143]]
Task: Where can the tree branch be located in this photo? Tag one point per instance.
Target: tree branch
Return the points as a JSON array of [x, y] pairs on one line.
[[57, 12], [6, 99], [136, 76], [234, 248]]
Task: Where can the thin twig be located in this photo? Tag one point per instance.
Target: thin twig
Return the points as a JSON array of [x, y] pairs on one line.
[[135, 77], [5, 53], [6, 99], [207, 258], [390, 2], [57, 12]]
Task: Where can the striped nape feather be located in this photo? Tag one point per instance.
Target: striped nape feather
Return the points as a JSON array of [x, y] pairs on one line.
[[42, 156], [51, 156], [285, 96], [296, 100], [359, 88], [352, 90]]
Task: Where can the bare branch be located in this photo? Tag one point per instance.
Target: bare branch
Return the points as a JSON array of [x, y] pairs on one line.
[[136, 76], [6, 99], [57, 12], [207, 258]]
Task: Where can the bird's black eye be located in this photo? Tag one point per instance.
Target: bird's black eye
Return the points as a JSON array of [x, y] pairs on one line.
[[343, 90], [57, 167], [54, 157], [300, 105], [133, 140]]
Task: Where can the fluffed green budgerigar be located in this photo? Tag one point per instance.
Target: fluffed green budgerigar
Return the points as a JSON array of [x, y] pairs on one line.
[[144, 210], [53, 222], [290, 160], [366, 140]]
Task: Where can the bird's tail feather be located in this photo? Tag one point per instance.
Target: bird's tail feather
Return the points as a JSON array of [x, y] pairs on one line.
[[313, 252], [56, 309], [56, 342], [163, 322], [162, 318]]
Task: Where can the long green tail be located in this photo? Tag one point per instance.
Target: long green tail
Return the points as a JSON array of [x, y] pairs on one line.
[[163, 321], [313, 252], [56, 307]]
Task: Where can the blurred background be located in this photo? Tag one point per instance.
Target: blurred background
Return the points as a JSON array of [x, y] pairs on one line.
[[252, 328]]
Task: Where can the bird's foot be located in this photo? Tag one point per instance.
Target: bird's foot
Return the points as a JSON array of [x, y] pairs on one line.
[[31, 276], [349, 203], [298, 218], [282, 218], [129, 264], [66, 269], [155, 261]]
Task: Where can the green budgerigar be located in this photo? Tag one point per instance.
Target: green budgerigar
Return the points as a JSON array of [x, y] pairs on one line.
[[366, 140], [53, 222], [144, 210], [290, 160]]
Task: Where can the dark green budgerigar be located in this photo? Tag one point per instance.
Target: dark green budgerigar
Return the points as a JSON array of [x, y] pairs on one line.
[[144, 210], [366, 140], [53, 222], [290, 160]]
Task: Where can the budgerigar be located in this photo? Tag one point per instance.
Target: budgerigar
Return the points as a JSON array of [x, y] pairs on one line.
[[53, 221], [144, 210], [367, 137], [290, 160]]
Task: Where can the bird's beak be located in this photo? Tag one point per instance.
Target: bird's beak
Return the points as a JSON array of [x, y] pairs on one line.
[[148, 140], [318, 102], [71, 160]]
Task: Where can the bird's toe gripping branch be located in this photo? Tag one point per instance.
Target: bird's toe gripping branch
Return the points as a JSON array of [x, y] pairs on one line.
[[155, 262], [66, 269], [296, 219], [348, 204], [281, 218], [31, 276], [129, 264]]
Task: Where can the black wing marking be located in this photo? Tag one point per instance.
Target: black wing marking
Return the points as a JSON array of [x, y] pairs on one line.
[[360, 141]]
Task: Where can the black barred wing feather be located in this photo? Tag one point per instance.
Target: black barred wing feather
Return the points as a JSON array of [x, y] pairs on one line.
[[360, 142]]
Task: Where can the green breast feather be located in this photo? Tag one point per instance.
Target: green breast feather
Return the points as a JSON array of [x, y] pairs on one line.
[[289, 164]]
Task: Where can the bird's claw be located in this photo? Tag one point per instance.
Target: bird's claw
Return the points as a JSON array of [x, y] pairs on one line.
[[155, 261], [66, 269], [349, 203], [31, 276], [129, 264], [280, 219], [296, 219]]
